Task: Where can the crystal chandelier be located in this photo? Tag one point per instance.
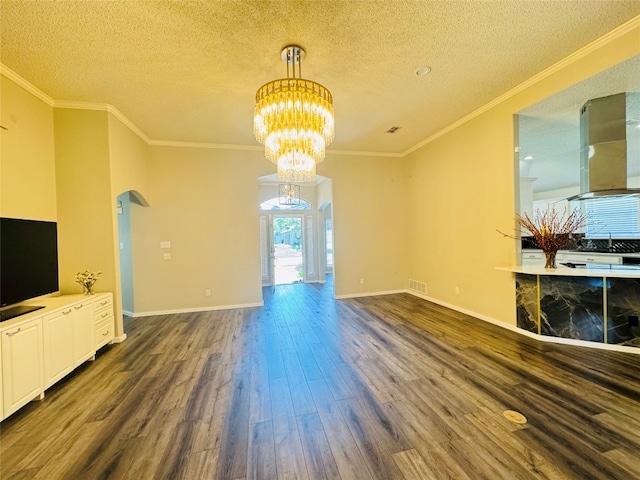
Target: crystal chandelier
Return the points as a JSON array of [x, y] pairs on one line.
[[294, 121], [289, 194]]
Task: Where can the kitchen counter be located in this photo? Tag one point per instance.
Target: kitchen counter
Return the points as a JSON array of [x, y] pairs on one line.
[[592, 270], [597, 303]]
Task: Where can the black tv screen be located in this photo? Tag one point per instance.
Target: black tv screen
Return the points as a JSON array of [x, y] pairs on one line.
[[28, 259]]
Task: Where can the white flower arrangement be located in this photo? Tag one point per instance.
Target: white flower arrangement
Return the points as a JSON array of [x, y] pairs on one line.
[[87, 279]]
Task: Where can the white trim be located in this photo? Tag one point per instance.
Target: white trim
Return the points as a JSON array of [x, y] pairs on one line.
[[29, 87], [127, 313], [572, 58], [196, 309], [217, 146], [104, 107], [365, 154], [540, 338], [120, 338], [368, 294]]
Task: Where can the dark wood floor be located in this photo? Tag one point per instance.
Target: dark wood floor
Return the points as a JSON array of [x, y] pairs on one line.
[[308, 387]]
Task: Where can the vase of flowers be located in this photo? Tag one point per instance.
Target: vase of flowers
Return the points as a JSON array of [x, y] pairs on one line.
[[551, 231], [87, 279]]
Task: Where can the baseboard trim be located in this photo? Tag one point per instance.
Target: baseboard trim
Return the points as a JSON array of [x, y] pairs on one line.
[[368, 294], [127, 313], [540, 338], [120, 338], [195, 309]]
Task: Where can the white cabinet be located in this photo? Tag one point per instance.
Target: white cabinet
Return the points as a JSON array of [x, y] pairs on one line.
[[532, 258], [22, 365], [103, 320], [58, 345], [42, 347], [83, 329]]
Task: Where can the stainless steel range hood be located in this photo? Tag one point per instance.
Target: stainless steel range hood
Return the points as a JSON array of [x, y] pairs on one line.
[[603, 147]]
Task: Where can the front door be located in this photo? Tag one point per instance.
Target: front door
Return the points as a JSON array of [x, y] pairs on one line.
[[287, 249]]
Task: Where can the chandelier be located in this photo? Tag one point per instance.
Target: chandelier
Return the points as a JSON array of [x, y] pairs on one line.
[[294, 121], [289, 194]]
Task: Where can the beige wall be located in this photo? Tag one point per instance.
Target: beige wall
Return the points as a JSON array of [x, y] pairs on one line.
[[27, 160], [430, 217], [129, 160], [205, 202], [369, 223], [460, 189], [86, 209]]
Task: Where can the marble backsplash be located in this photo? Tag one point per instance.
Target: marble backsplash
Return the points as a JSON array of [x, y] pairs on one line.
[[618, 245]]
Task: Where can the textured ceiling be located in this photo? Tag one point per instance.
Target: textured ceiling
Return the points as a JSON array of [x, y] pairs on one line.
[[188, 71], [549, 130]]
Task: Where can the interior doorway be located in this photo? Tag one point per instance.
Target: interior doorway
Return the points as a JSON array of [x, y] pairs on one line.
[[287, 249]]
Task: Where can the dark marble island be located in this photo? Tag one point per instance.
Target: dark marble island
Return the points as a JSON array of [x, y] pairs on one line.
[[595, 304]]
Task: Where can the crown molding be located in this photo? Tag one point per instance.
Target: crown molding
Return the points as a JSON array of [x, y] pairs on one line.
[[105, 107], [355, 153], [574, 57], [215, 146], [33, 90]]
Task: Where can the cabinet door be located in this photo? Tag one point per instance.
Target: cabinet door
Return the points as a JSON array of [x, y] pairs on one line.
[[22, 365], [58, 346], [83, 332]]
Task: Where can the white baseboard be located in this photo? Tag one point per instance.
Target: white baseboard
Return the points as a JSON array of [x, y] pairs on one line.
[[526, 333], [194, 309], [120, 338], [368, 294], [127, 313]]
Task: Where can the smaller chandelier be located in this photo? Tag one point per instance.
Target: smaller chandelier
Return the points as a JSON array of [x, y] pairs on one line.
[[289, 194], [294, 121]]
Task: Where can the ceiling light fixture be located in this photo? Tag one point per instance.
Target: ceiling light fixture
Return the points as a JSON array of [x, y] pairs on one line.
[[289, 194], [294, 121]]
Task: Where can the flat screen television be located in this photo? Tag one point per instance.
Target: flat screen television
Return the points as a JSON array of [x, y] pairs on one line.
[[28, 262]]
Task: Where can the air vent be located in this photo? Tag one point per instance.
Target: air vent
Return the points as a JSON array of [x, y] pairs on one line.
[[416, 286], [393, 129]]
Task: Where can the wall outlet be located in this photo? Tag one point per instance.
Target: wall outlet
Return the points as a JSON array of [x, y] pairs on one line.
[[207, 293], [166, 256], [457, 290], [362, 281], [165, 244]]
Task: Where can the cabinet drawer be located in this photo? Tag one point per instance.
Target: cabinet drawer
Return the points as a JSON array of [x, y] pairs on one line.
[[103, 303], [104, 332], [101, 316]]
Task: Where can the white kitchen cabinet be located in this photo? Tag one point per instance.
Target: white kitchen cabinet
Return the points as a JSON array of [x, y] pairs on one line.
[[58, 345], [83, 332], [532, 258], [22, 365]]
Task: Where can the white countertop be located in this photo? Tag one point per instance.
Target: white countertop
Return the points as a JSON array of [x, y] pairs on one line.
[[582, 252], [615, 271]]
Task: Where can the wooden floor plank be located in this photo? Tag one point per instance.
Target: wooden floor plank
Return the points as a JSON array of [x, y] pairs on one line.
[[388, 386], [261, 457]]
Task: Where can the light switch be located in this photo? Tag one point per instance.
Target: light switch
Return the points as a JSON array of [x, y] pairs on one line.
[[165, 244]]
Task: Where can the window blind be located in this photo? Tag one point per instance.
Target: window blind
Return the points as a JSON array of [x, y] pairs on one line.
[[613, 216]]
